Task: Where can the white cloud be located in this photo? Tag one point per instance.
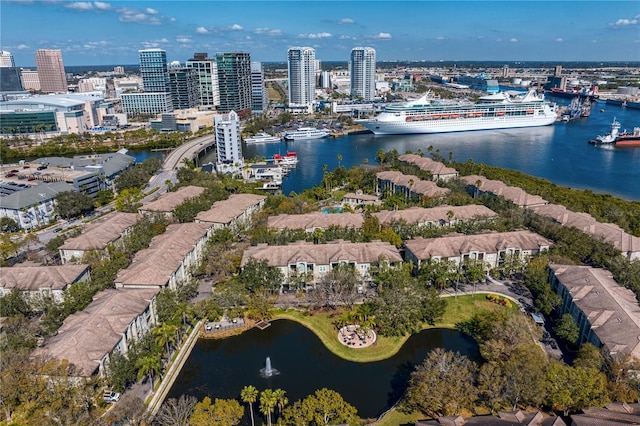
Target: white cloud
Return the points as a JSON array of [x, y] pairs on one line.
[[132, 15], [514, 40], [440, 38], [22, 47], [624, 22], [79, 5], [184, 40], [268, 31], [236, 27], [163, 40], [315, 35], [346, 37], [202, 30], [383, 36], [100, 5], [559, 40], [151, 11], [346, 21]]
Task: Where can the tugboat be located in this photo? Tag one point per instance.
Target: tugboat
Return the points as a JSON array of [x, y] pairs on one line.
[[624, 139]]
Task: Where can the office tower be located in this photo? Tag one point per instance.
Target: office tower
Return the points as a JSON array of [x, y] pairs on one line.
[[207, 72], [30, 80], [228, 144], [10, 80], [119, 70], [184, 88], [557, 71], [153, 69], [325, 80], [51, 71], [505, 71], [259, 95], [363, 73], [6, 60], [234, 82], [302, 76]]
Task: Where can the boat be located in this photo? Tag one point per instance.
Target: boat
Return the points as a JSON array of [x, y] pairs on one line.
[[262, 138], [306, 133], [286, 161], [591, 93], [614, 137], [504, 110], [578, 108]]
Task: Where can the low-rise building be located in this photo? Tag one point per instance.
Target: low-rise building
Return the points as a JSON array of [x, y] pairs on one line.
[[503, 418], [41, 282], [607, 314], [234, 212], [478, 185], [34, 206], [355, 199], [169, 259], [436, 216], [98, 235], [491, 248], [112, 322], [167, 202], [313, 261], [437, 169], [408, 185], [316, 220]]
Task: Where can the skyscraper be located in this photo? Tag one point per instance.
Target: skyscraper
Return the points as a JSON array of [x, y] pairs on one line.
[[207, 72], [51, 71], [302, 76], [363, 73], [234, 82], [184, 87], [6, 60], [153, 69], [259, 96]]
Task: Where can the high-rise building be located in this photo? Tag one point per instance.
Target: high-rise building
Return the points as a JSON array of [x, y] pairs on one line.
[[234, 82], [302, 76], [363, 72], [207, 72], [153, 69], [184, 88], [30, 79], [118, 70], [51, 71], [228, 143], [6, 60], [259, 94]]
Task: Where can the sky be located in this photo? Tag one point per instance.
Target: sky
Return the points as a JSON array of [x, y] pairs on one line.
[[112, 32]]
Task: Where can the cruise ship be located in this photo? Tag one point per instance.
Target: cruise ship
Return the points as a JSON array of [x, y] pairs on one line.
[[305, 133], [504, 110]]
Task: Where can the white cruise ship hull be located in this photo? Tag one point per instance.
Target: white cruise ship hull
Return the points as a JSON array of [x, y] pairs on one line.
[[398, 127]]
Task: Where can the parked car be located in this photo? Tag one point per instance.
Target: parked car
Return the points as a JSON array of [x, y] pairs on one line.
[[111, 396]]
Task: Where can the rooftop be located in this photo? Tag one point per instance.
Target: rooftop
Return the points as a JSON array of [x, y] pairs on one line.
[[101, 232], [439, 214], [314, 220], [225, 211], [34, 278], [170, 200]]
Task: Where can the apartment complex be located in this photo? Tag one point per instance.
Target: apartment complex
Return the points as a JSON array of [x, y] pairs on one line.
[[228, 141], [234, 83], [156, 97], [302, 75], [362, 69], [259, 94], [207, 75]]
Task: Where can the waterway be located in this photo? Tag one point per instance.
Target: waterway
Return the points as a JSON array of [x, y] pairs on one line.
[[559, 153], [221, 368]]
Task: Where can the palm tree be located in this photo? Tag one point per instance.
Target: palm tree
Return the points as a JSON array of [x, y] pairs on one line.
[[281, 399], [339, 157], [249, 394], [267, 402], [148, 366], [450, 215], [166, 336]]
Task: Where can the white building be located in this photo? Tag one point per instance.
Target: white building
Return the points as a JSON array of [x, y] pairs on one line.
[[259, 94], [363, 72], [6, 59], [146, 103], [302, 75], [33, 207], [207, 71], [228, 142]]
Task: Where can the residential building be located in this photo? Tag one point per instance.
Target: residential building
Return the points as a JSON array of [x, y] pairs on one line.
[[207, 72], [437, 169], [259, 94], [228, 142], [479, 185], [614, 413], [42, 282], [53, 78], [6, 60], [409, 185], [607, 314], [184, 88], [146, 103], [302, 75], [118, 70], [316, 220], [436, 216], [362, 69], [169, 260], [490, 248], [34, 206], [234, 212], [98, 235], [234, 82], [114, 320], [307, 262], [355, 199], [154, 71], [30, 79], [166, 203], [503, 418]]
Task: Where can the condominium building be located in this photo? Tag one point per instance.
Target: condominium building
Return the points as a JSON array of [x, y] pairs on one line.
[[363, 72], [259, 95], [302, 76], [227, 131], [207, 74], [51, 71], [234, 80], [184, 87], [153, 69], [6, 59]]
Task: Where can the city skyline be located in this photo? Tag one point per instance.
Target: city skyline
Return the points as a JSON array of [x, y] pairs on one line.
[[106, 33]]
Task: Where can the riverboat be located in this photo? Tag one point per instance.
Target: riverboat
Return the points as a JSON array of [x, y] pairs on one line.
[[306, 133], [504, 110], [262, 138]]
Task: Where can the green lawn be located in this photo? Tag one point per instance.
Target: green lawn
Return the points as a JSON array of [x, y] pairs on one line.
[[458, 309]]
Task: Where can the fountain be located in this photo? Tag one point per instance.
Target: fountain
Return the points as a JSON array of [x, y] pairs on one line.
[[267, 371]]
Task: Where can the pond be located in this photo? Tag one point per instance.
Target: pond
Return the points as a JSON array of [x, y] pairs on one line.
[[221, 368]]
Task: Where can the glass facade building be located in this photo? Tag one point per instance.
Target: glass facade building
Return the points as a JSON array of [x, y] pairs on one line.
[[362, 69], [207, 73], [302, 75], [234, 80]]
